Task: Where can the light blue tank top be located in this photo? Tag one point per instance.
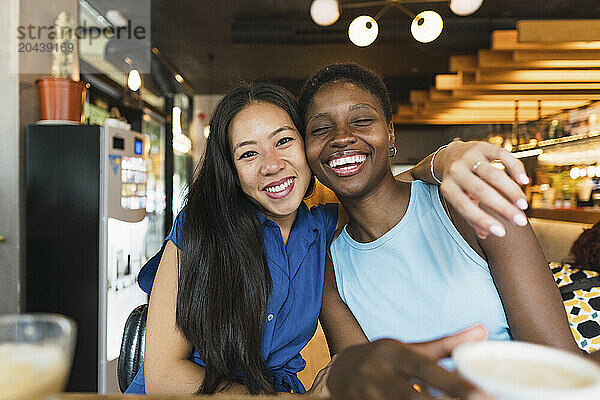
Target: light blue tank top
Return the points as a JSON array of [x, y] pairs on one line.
[[420, 280]]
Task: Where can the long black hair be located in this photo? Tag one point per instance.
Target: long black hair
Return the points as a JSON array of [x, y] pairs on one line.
[[224, 280]]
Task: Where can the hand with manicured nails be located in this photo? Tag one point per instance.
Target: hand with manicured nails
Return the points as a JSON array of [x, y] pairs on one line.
[[469, 179], [389, 369]]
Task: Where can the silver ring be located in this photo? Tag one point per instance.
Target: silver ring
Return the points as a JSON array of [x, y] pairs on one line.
[[477, 165]]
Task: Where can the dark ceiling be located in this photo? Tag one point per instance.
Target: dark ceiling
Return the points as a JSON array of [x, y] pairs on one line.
[[217, 43]]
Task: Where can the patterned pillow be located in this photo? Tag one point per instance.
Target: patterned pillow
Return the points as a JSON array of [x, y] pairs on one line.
[[580, 290]]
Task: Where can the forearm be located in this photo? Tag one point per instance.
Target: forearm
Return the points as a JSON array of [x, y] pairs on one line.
[[422, 171], [182, 378]]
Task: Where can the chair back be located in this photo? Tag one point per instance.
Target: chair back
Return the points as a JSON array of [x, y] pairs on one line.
[[580, 291], [131, 355]]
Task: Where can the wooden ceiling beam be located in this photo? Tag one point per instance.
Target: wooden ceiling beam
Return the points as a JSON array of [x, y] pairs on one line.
[[508, 40], [400, 121], [463, 63], [443, 120], [448, 81], [541, 55], [502, 104], [570, 86], [488, 59], [524, 95], [440, 94], [418, 96], [469, 94], [525, 114], [543, 31], [539, 76], [451, 81], [494, 59]]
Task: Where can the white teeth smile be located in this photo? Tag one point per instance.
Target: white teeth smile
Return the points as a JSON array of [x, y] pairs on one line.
[[279, 188], [338, 162]]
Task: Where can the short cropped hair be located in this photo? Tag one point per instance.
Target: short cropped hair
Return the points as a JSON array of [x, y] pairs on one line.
[[346, 72]]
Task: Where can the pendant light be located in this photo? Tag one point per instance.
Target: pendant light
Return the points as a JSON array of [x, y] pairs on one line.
[[465, 7], [427, 26], [134, 80], [324, 12], [363, 30]]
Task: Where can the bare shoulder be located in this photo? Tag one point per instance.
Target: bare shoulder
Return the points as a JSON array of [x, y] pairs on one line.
[[462, 226]]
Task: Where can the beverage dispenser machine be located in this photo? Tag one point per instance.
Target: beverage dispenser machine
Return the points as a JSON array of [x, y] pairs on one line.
[[85, 237]]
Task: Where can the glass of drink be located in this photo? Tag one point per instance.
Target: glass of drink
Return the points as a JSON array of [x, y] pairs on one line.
[[36, 351]]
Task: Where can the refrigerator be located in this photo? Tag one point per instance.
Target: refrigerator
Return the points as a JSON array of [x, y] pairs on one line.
[[85, 237]]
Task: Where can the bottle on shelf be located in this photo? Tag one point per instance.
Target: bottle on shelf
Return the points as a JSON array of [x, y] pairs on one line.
[[595, 196]]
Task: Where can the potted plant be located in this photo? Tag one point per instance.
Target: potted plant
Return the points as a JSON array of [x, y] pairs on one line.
[[61, 97]]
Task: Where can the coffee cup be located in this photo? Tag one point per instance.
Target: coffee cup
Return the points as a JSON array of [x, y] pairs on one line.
[[515, 370]]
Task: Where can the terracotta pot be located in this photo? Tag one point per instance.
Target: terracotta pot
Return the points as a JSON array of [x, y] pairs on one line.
[[61, 99]]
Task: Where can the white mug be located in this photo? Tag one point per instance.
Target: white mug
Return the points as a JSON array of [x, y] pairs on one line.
[[524, 371]]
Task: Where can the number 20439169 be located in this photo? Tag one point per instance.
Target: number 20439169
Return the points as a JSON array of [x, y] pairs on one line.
[[46, 47]]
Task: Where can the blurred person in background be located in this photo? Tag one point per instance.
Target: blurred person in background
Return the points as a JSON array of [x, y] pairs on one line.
[[579, 284]]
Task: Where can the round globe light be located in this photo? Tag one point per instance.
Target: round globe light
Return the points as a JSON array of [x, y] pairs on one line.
[[427, 26], [465, 7], [574, 173], [324, 12], [363, 30], [134, 80]]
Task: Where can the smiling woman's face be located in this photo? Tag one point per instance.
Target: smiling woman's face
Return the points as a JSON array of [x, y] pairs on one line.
[[347, 139], [268, 154]]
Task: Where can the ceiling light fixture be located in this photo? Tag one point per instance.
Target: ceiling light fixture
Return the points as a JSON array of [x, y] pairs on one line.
[[181, 143], [325, 12], [116, 18], [427, 26], [176, 121], [134, 80], [465, 7], [363, 30]]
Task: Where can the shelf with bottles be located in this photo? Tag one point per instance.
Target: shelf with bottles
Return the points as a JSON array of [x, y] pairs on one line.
[[564, 127], [566, 187]]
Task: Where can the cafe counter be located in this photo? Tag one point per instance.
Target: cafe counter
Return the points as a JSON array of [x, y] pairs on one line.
[[576, 215]]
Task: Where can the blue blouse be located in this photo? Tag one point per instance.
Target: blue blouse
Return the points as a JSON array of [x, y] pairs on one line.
[[297, 272]]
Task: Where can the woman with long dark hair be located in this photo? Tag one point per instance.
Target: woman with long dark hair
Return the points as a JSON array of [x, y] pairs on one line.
[[246, 297], [239, 284]]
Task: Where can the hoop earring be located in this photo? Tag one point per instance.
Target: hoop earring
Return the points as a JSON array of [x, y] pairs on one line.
[[393, 150]]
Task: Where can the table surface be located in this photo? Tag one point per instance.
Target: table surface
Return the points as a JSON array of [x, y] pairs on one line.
[[95, 396]]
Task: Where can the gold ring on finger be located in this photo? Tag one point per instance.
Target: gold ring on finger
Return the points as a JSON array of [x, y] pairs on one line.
[[477, 165]]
